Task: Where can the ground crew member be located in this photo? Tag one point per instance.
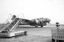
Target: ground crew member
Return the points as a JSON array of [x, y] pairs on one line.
[[13, 17], [57, 25]]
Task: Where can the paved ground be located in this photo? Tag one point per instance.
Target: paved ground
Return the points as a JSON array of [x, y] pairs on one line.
[[45, 31], [34, 34]]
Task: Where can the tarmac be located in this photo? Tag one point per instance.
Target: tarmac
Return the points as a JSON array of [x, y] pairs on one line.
[[33, 34]]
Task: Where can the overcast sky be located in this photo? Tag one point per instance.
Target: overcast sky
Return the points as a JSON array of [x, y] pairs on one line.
[[52, 9]]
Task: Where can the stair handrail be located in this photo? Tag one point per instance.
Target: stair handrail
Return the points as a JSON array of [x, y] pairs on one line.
[[15, 25], [7, 25]]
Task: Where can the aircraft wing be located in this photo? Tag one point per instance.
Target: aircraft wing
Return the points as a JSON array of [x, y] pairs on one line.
[[25, 22]]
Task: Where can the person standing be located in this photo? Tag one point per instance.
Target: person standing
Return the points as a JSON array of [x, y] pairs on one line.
[[57, 25], [13, 17]]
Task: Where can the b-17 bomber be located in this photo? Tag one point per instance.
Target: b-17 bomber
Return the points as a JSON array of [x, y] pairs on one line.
[[34, 22]]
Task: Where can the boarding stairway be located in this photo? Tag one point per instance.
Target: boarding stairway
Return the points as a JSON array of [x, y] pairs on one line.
[[11, 26]]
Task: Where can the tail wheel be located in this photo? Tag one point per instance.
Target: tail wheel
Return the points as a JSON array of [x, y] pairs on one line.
[[36, 26]]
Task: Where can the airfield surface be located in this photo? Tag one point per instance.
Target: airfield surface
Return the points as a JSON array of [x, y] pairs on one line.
[[33, 34]]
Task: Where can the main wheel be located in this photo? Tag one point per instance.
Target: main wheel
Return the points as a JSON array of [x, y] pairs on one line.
[[41, 25], [36, 26]]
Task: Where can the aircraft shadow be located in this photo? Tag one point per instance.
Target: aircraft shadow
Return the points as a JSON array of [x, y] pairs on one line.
[[34, 27], [29, 27]]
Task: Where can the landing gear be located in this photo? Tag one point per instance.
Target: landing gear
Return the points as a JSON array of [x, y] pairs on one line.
[[36, 26], [41, 25]]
